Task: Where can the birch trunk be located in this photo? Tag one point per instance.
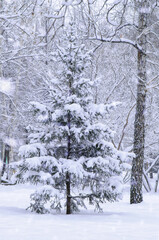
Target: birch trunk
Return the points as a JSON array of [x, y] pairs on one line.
[[139, 124]]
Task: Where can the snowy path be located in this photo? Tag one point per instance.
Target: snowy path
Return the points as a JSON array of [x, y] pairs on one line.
[[120, 221]]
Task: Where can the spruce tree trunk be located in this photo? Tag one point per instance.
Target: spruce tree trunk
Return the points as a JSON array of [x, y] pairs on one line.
[[139, 124], [68, 191], [68, 184], [68, 176]]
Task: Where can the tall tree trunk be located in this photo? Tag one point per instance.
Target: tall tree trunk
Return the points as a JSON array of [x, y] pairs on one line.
[[6, 158], [139, 124], [68, 192], [68, 183]]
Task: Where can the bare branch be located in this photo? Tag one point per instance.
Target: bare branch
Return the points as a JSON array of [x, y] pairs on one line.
[[125, 125], [118, 40], [115, 86]]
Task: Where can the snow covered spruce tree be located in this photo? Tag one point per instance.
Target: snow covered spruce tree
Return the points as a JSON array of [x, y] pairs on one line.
[[70, 153]]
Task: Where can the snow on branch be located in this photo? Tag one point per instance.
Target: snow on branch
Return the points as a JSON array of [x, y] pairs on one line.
[[118, 40]]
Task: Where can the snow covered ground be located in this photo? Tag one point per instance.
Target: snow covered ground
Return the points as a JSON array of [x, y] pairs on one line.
[[120, 221]]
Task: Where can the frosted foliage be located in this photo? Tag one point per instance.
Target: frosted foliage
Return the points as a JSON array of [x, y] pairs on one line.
[[76, 108], [11, 142], [38, 106], [32, 150], [72, 148]]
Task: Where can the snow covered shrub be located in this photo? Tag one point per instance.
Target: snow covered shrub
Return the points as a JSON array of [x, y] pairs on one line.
[[70, 151], [38, 200]]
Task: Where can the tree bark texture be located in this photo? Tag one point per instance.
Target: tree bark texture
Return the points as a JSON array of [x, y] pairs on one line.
[[6, 159], [68, 191], [139, 124], [68, 183]]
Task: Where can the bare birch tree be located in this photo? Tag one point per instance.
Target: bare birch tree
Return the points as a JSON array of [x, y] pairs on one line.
[[130, 22]]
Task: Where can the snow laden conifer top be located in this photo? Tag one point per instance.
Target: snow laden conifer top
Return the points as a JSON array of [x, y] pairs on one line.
[[70, 151]]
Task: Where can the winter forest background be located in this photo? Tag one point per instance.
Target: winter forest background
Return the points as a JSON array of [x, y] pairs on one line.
[[79, 103]]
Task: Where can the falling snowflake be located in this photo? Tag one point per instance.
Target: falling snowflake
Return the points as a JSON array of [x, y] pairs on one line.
[[6, 86]]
